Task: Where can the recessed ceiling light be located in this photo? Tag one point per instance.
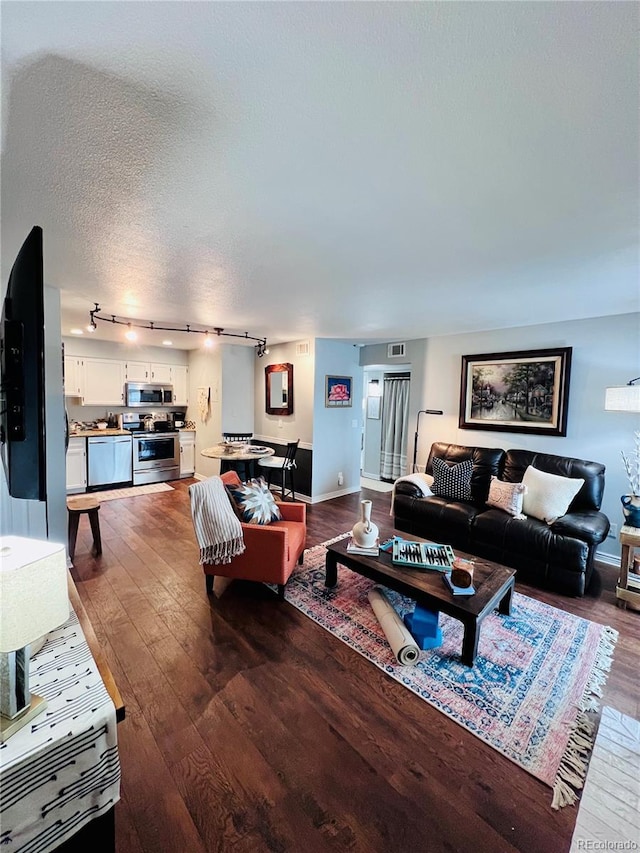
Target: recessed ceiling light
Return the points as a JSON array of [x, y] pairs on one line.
[[77, 332], [167, 343]]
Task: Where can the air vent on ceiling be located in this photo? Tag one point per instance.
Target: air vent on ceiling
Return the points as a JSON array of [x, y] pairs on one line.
[[395, 350], [302, 348]]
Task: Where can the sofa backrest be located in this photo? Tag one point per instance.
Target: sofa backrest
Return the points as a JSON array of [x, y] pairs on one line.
[[590, 495], [487, 461]]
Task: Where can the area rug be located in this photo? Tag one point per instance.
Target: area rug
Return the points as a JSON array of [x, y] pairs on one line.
[[132, 491], [538, 672], [609, 805]]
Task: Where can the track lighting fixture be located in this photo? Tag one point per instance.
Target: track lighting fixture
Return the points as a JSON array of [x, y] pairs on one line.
[[94, 314]]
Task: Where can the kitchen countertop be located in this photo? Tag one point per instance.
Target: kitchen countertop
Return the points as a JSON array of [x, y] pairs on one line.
[[90, 433]]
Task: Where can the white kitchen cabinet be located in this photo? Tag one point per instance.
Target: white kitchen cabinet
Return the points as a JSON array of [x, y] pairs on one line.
[[103, 382], [137, 371], [161, 373], [73, 376], [187, 453], [76, 465], [180, 382]]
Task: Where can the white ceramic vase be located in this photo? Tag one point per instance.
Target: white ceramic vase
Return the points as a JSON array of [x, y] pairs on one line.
[[365, 532]]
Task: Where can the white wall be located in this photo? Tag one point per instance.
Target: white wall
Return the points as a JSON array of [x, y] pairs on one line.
[[606, 351], [205, 370], [280, 428], [336, 432], [238, 364]]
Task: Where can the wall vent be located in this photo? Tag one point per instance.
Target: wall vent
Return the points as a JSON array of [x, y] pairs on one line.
[[302, 348], [396, 350]]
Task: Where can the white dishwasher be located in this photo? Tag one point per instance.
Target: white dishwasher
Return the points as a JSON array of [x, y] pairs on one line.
[[109, 461]]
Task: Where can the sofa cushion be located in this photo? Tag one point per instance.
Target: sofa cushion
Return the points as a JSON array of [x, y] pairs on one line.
[[452, 481], [255, 501], [487, 461], [506, 496], [548, 496], [590, 495]]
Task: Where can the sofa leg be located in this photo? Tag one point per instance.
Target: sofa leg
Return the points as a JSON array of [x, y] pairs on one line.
[[281, 591], [209, 579], [301, 558]]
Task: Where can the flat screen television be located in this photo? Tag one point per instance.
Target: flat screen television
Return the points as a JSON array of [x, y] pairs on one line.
[[22, 342]]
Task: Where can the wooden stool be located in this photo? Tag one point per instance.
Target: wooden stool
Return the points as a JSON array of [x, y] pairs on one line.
[[77, 506]]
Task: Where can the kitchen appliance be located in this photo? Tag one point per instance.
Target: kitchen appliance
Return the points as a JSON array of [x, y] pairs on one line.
[[108, 461], [155, 453], [144, 394], [178, 419]]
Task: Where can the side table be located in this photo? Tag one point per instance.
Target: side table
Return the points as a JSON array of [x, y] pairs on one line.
[[628, 589]]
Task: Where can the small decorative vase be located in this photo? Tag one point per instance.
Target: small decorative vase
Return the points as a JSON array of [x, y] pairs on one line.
[[631, 510], [365, 532]]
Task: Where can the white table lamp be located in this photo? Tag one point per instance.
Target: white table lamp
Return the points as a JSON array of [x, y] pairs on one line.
[[33, 601]]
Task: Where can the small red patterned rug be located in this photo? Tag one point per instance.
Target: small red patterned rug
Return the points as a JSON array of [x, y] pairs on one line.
[[538, 672]]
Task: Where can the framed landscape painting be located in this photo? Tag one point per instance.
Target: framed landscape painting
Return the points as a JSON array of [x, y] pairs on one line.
[[524, 391], [338, 392]]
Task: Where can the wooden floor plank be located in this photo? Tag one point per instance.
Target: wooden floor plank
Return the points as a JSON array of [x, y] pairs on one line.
[[251, 728]]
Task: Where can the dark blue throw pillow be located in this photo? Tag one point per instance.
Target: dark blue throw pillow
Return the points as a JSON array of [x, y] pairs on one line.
[[452, 481]]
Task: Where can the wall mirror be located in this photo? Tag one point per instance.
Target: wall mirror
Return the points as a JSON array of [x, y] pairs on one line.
[[279, 389]]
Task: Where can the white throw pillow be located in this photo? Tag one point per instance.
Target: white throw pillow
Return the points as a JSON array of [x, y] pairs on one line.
[[548, 496], [507, 496]]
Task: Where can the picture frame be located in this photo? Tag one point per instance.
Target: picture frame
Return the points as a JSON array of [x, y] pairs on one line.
[[338, 392], [373, 408], [525, 391]]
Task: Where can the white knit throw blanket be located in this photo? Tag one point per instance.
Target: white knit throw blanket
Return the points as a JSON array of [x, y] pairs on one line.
[[218, 531], [422, 481]]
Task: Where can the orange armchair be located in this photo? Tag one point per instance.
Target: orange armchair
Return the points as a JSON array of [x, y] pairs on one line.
[[272, 550]]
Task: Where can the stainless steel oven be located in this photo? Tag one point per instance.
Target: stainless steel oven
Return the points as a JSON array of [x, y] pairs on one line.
[[156, 457]]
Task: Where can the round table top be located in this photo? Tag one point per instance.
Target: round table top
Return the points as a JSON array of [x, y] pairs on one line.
[[237, 454]]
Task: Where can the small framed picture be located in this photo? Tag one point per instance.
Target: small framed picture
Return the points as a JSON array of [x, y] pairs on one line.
[[373, 408], [338, 392]]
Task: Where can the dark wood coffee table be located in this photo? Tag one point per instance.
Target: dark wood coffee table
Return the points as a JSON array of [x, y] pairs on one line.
[[493, 583]]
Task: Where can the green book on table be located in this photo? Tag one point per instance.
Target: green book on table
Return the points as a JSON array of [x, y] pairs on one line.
[[422, 555]]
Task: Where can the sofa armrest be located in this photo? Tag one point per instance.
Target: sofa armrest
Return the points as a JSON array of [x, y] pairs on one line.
[[293, 511], [404, 488], [589, 526]]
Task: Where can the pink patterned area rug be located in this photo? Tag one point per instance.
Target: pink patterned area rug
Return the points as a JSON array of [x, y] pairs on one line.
[[538, 672]]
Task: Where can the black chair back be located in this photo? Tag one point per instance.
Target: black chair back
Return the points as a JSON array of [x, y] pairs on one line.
[[237, 436]]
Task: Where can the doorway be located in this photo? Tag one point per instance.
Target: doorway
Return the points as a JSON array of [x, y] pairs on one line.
[[378, 400]]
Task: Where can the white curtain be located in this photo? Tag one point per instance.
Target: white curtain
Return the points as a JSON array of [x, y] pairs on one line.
[[395, 409]]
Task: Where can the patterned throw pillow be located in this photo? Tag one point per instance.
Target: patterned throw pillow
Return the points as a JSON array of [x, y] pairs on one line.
[[507, 496], [548, 496], [255, 502], [453, 482]]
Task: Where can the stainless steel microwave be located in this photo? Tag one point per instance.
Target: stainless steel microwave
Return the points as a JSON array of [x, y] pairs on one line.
[[143, 394]]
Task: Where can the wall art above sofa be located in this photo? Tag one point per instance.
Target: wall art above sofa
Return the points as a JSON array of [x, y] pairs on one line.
[[525, 391]]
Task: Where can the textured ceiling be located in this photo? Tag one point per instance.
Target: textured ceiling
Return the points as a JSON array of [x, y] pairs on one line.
[[365, 171]]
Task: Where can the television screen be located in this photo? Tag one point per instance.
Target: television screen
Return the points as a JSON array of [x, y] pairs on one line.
[[23, 378]]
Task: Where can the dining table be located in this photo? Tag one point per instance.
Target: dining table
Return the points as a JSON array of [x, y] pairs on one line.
[[238, 458]]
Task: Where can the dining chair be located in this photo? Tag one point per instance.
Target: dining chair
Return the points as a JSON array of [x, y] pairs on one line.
[[242, 468], [285, 464]]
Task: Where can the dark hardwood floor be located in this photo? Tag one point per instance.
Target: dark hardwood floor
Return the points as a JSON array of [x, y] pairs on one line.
[[250, 728]]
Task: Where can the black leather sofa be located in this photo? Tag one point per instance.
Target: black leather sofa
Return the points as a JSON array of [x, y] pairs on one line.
[[558, 556]]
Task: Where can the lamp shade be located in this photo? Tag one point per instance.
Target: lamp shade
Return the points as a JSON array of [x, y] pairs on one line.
[[622, 398], [33, 590]]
